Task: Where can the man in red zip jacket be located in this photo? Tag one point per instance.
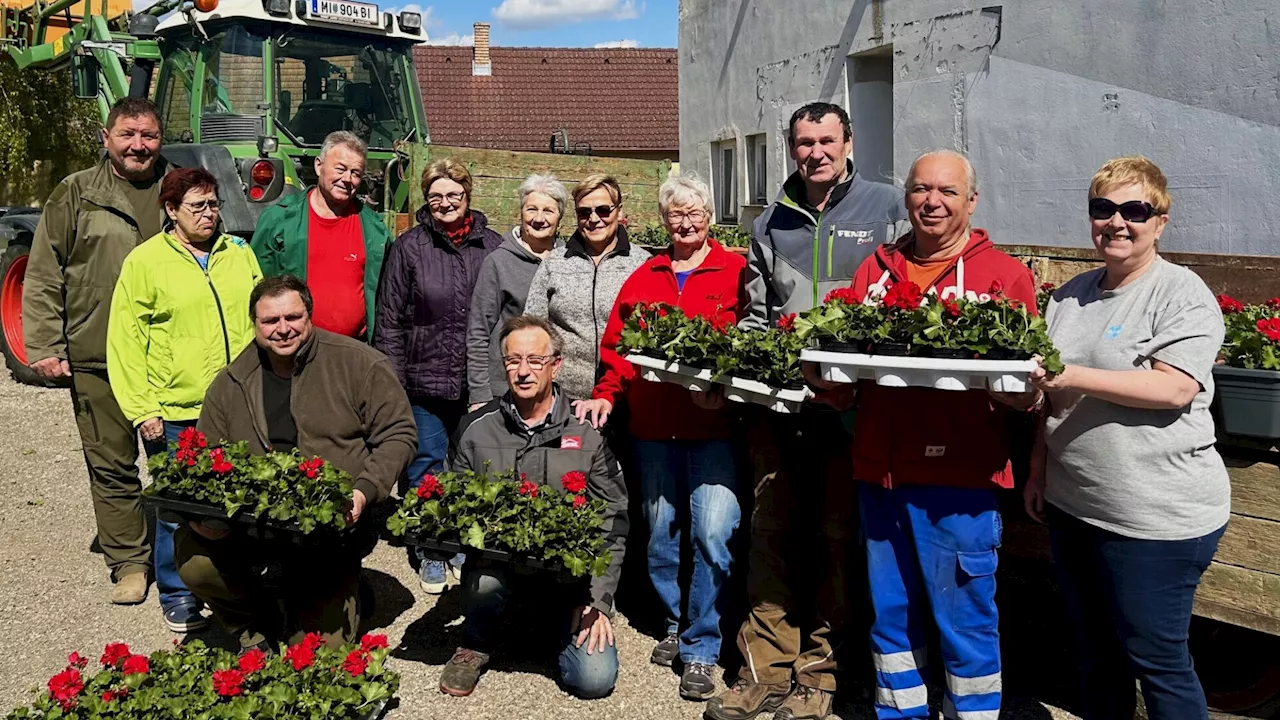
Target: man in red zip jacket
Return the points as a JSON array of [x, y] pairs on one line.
[[930, 462], [683, 443]]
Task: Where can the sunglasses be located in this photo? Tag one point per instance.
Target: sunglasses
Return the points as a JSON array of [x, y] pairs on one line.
[[603, 211], [1134, 211]]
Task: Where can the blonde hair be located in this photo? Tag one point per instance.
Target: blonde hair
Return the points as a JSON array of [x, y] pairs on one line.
[[447, 168], [1133, 170], [592, 183]]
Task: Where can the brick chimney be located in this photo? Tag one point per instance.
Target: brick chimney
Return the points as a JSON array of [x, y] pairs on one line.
[[480, 62]]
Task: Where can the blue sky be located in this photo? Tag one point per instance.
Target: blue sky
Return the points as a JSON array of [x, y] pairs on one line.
[[554, 23]]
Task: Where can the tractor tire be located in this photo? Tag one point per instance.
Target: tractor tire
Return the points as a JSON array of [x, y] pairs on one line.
[[13, 268], [1238, 667]]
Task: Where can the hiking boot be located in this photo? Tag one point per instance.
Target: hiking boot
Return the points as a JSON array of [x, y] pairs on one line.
[[696, 682], [746, 699], [665, 652], [463, 672], [130, 589], [805, 703]]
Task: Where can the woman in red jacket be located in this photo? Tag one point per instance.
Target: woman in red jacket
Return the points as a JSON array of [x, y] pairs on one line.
[[682, 438]]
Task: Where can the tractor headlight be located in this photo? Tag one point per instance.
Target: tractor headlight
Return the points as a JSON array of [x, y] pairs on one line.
[[411, 22], [279, 8]]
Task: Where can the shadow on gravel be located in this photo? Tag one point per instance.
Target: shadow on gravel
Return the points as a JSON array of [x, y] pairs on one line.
[[391, 600]]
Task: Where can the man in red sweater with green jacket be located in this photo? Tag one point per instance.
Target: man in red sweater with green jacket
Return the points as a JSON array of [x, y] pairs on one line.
[[930, 463], [329, 239]]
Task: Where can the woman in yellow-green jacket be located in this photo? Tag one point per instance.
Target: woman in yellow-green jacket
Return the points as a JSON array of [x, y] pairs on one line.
[[179, 314]]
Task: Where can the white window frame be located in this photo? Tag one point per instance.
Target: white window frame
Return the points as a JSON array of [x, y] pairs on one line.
[[724, 174]]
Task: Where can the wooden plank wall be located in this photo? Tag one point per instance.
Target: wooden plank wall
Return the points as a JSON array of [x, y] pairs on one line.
[[497, 175]]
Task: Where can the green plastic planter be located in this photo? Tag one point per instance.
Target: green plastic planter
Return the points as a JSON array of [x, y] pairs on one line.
[[1250, 401]]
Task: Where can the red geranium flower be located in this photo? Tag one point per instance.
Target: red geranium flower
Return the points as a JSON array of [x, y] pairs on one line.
[[311, 468], [845, 295], [903, 296], [75, 659], [996, 289], [528, 488], [430, 486], [951, 307], [662, 312], [369, 643], [253, 661], [787, 323], [136, 665], [574, 481], [187, 456], [228, 683], [114, 653], [300, 656], [111, 695], [1015, 303], [355, 663], [192, 439], [1048, 287], [1229, 304], [1274, 303], [1270, 328], [65, 686], [220, 463], [312, 641], [643, 325], [579, 501]]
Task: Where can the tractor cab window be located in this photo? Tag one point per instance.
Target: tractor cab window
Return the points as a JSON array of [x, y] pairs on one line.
[[330, 81], [233, 77], [173, 93]]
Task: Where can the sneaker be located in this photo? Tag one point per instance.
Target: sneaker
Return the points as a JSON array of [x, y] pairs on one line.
[[696, 682], [463, 672], [130, 589], [665, 652], [185, 617], [746, 699], [805, 703], [433, 576]]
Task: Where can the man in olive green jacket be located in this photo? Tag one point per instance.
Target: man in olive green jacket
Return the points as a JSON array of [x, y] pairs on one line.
[[328, 396], [91, 221], [329, 239]]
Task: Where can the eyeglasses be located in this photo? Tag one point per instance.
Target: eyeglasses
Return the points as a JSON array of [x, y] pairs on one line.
[[1134, 211], [436, 198], [677, 218], [198, 208], [536, 362], [603, 211]]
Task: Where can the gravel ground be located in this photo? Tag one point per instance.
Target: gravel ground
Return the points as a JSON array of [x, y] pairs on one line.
[[53, 599]]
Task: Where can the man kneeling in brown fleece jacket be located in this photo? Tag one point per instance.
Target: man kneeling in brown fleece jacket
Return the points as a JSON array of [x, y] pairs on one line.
[[329, 396]]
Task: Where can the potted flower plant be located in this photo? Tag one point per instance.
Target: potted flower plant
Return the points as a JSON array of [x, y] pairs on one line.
[[283, 491], [1248, 378], [508, 519], [306, 681], [841, 323]]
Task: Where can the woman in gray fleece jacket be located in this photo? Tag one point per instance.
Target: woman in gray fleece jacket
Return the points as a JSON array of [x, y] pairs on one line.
[[504, 282], [576, 285]]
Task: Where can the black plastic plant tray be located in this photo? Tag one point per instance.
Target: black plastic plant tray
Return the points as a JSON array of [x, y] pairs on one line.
[[452, 547], [262, 528]]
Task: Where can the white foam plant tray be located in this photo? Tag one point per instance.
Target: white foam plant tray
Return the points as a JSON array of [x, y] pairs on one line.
[[1010, 376], [736, 389]]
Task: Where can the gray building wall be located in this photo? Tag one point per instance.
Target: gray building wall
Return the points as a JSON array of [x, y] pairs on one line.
[[1039, 93]]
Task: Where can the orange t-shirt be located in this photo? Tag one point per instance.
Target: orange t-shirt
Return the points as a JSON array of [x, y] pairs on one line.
[[926, 272]]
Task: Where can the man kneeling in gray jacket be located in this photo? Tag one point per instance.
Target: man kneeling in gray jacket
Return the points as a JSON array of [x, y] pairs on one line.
[[531, 430]]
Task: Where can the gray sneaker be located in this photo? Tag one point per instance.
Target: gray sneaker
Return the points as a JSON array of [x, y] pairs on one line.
[[696, 682], [461, 675]]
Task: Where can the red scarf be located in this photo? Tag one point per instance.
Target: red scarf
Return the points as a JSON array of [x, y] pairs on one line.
[[459, 235]]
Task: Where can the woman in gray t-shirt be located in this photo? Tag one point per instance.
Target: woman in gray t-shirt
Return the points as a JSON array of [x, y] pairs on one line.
[[1125, 470]]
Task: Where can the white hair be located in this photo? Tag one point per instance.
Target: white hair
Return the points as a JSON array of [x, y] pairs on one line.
[[548, 185], [684, 188], [349, 140], [971, 176]]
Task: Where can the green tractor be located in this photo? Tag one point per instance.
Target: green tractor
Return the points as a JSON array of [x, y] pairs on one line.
[[246, 88]]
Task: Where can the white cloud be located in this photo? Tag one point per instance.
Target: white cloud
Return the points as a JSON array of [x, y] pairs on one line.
[[541, 13], [619, 44], [452, 38]]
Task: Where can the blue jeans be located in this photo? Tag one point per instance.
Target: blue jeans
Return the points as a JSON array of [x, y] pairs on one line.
[[695, 483], [1131, 600], [933, 550], [173, 591], [487, 588]]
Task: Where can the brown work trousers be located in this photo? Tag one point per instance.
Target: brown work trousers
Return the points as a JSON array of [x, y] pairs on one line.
[[110, 445], [804, 529], [319, 593]]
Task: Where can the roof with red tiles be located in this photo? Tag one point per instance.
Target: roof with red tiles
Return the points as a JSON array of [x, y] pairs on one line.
[[611, 100]]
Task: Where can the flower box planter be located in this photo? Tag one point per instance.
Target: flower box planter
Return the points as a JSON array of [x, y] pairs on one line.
[[1250, 401], [938, 373], [262, 528], [453, 547], [782, 400]]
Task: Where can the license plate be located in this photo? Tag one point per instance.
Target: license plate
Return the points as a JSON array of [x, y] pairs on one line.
[[346, 11]]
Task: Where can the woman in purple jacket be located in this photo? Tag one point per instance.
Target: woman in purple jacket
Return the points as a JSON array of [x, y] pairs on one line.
[[421, 325]]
